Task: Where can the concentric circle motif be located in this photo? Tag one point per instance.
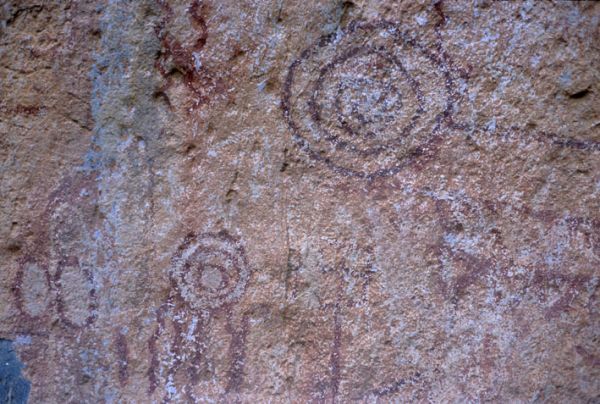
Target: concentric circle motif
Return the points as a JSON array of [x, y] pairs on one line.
[[369, 101], [210, 270]]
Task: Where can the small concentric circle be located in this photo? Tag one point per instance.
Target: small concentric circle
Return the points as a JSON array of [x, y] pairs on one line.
[[210, 270]]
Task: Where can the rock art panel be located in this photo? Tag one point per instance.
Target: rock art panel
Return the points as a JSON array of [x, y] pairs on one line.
[[389, 201]]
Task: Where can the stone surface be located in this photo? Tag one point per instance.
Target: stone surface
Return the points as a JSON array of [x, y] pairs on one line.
[[316, 201]]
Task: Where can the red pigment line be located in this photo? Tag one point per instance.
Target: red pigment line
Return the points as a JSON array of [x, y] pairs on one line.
[[122, 350], [196, 360], [335, 360], [152, 348], [541, 136], [23, 109], [588, 358], [237, 355], [17, 288], [60, 304], [196, 10], [394, 387], [560, 141], [199, 334], [440, 11], [177, 347]]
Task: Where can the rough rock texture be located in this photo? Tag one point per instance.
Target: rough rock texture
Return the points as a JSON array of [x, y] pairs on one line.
[[300, 201]]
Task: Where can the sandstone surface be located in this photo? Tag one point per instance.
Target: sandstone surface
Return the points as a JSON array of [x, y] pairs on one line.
[[299, 201]]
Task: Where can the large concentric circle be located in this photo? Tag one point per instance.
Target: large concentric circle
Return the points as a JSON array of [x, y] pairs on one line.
[[210, 270], [369, 101]]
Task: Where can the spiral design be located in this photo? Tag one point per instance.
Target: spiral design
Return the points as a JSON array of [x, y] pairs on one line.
[[369, 101]]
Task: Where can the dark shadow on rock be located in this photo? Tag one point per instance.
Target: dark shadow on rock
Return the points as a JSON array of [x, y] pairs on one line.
[[14, 388]]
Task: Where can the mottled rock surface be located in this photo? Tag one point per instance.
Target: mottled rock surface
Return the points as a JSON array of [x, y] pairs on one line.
[[300, 201]]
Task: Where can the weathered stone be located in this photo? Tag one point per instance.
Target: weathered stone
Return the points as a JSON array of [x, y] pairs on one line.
[[316, 201]]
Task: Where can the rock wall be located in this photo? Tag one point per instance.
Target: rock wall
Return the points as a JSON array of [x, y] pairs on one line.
[[316, 201]]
